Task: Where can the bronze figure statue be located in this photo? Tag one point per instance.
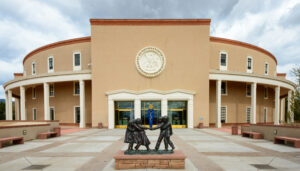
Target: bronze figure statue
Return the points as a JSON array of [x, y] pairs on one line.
[[135, 134], [165, 133]]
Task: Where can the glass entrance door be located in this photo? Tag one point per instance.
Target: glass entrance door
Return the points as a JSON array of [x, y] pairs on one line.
[[124, 112], [177, 113], [144, 112]]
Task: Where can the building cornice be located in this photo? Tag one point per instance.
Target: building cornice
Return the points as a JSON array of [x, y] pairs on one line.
[[247, 77], [57, 44], [150, 91], [45, 76], [150, 21], [242, 44]]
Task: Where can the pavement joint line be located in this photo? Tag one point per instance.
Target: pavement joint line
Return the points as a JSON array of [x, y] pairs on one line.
[[200, 162], [257, 148]]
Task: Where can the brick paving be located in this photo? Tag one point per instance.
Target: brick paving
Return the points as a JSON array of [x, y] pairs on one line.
[[93, 149]]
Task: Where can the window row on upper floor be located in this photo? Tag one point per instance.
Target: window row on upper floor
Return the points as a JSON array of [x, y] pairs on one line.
[[50, 63], [248, 62]]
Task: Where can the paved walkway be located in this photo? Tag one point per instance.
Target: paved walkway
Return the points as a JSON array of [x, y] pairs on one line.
[[93, 149]]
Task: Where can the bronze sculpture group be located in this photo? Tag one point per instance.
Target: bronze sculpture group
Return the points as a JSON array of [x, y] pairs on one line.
[[135, 134]]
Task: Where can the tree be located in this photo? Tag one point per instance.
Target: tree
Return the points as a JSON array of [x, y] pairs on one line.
[[295, 99]]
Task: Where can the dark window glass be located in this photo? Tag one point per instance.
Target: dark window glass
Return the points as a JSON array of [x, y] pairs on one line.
[[51, 114], [266, 92], [33, 68], [177, 112], [249, 63], [51, 90], [266, 68], [223, 114], [34, 114], [33, 93], [124, 112], [50, 63], [76, 88], [77, 59], [223, 59], [248, 114], [248, 91], [77, 114], [144, 111], [223, 88]]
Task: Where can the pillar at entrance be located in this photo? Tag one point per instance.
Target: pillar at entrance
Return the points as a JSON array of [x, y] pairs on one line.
[[164, 107], [277, 100], [6, 106], [46, 102], [10, 110], [218, 103], [137, 108], [22, 98], [253, 103], [82, 104], [17, 108]]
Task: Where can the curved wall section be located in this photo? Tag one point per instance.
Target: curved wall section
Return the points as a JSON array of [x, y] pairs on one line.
[[62, 53], [237, 53]]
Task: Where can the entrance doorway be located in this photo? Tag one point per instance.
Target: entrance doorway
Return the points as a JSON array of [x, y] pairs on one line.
[[144, 112], [177, 113], [124, 112]]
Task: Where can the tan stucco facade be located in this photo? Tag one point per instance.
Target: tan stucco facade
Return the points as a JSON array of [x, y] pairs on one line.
[[108, 72]]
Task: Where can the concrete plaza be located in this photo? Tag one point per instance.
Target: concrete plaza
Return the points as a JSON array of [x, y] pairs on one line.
[[93, 149]]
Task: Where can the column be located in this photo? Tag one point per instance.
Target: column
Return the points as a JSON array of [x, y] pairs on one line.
[[82, 104], [190, 113], [10, 110], [46, 102], [277, 99], [282, 107], [290, 112], [137, 108], [218, 103], [6, 106], [22, 97], [17, 108], [253, 103], [111, 114], [164, 107]]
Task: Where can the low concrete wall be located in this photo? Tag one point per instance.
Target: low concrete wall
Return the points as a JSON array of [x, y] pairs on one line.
[[27, 129], [269, 131]]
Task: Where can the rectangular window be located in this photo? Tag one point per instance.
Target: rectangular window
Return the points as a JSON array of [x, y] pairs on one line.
[[51, 90], [52, 113], [76, 88], [223, 114], [33, 93], [50, 64], [248, 112], [266, 93], [265, 115], [33, 113], [223, 61], [76, 61], [248, 90], [33, 68], [224, 88], [266, 68], [249, 64]]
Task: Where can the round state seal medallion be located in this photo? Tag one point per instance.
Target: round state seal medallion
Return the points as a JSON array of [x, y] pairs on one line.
[[150, 61]]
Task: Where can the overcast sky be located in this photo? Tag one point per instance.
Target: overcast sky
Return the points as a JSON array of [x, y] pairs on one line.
[[28, 24]]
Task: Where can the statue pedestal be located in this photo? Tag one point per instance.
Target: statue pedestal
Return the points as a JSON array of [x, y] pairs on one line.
[[175, 160]]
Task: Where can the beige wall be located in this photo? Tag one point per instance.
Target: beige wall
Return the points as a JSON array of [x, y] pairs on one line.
[[237, 58], [63, 102], [114, 49], [237, 101], [63, 58]]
